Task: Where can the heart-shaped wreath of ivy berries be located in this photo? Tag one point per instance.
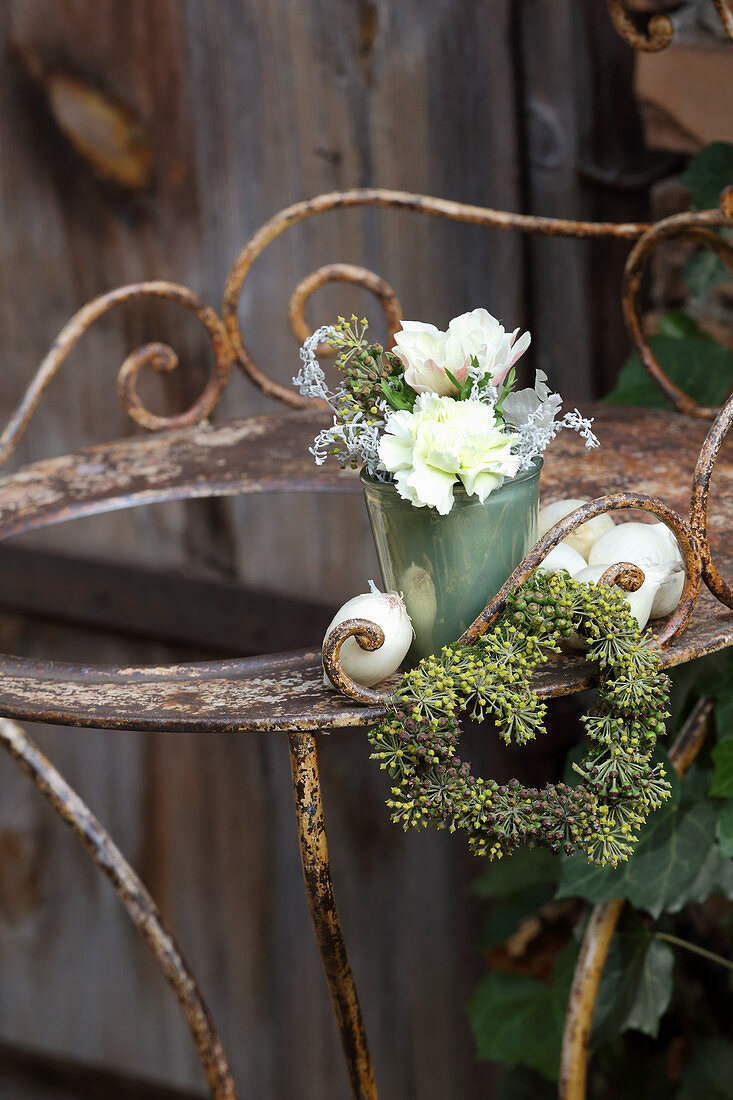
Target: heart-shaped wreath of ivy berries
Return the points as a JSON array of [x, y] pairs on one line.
[[417, 741]]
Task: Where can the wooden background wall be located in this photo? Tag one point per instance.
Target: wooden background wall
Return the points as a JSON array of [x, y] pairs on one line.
[[250, 105]]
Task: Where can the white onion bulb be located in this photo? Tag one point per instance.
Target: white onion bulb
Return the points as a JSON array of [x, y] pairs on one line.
[[645, 544], [641, 601], [387, 610], [583, 538], [560, 557]]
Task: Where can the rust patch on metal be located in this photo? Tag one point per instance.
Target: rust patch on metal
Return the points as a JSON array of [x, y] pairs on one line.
[[658, 34], [706, 463], [625, 575], [140, 906], [725, 11], [324, 915]]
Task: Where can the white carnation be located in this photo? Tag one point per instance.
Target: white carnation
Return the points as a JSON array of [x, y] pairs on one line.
[[443, 442]]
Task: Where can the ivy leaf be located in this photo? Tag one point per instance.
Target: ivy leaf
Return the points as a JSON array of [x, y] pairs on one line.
[[506, 918], [708, 173], [699, 366], [665, 873], [722, 786], [724, 718], [675, 322], [519, 1020], [725, 828], [524, 1084], [636, 987], [709, 1072], [521, 885], [504, 878], [704, 271]]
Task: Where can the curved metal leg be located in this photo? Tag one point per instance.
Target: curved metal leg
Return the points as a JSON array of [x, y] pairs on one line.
[[599, 933], [140, 906], [319, 889]]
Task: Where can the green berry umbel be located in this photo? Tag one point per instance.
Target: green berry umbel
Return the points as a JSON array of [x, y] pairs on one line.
[[417, 741], [372, 374]]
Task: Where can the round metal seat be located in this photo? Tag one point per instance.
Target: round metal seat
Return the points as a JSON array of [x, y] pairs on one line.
[[648, 450]]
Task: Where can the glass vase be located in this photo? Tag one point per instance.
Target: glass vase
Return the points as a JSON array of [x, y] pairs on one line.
[[448, 567]]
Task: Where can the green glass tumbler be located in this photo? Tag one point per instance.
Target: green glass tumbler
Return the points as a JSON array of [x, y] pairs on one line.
[[448, 567]]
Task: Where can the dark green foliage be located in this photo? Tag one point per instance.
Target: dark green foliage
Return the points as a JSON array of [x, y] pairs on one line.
[[519, 1020], [676, 862], [709, 1072], [704, 272], [698, 365], [636, 986], [662, 1022], [708, 173]]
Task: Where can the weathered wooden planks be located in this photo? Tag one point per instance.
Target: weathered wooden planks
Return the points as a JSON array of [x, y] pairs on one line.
[[248, 108]]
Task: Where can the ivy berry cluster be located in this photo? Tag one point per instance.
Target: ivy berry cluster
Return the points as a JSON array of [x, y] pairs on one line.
[[619, 785], [373, 375]]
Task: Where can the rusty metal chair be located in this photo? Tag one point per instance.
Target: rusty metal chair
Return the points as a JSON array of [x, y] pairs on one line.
[[649, 461]]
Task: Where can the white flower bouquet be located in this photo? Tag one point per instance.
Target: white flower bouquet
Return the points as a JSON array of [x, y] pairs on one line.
[[439, 410]]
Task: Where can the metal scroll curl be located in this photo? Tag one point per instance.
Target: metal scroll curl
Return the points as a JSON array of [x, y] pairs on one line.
[[658, 34], [372, 197], [344, 273], [369, 636], [698, 227], [659, 30], [159, 356]]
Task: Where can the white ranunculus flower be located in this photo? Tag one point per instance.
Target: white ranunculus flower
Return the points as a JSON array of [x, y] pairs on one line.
[[421, 348], [442, 442], [426, 352]]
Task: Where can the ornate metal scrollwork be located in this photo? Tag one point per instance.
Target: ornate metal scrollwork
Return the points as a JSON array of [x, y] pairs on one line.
[[160, 357], [695, 226]]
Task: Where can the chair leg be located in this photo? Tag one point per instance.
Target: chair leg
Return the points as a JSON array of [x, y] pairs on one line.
[[140, 906], [326, 925]]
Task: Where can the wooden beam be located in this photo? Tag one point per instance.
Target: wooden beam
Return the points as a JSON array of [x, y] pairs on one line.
[[208, 615]]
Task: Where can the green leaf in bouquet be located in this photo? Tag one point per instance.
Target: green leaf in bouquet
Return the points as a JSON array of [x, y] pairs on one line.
[[464, 388], [698, 365], [708, 173], [508, 387], [519, 1020], [402, 398], [636, 987]]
